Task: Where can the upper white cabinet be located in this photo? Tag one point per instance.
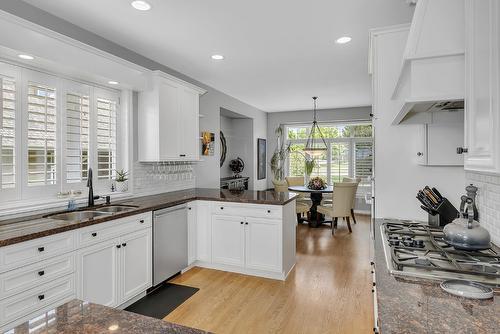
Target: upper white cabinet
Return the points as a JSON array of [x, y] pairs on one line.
[[168, 120], [433, 61], [482, 120]]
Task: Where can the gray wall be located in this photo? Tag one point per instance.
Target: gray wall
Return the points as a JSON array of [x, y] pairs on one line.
[[275, 120], [207, 171]]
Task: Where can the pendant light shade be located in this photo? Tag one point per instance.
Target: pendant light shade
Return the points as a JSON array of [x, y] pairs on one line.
[[316, 144]]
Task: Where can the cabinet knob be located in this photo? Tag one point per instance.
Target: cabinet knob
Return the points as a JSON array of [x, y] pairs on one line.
[[141, 221], [462, 150], [41, 249], [241, 223], [118, 246], [41, 297], [222, 208], [182, 155], [124, 244], [268, 211], [246, 223], [94, 234], [41, 273], [419, 154]]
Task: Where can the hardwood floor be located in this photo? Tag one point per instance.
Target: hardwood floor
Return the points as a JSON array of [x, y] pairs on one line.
[[328, 291]]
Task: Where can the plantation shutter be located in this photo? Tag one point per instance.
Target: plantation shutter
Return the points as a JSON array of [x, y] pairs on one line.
[[363, 159], [42, 120], [106, 138], [77, 137], [7, 133]]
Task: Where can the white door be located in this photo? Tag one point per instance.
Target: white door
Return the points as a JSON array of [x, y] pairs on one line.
[[189, 128], [135, 264], [170, 134], [482, 119], [97, 270], [228, 240], [263, 244], [191, 218], [203, 232]]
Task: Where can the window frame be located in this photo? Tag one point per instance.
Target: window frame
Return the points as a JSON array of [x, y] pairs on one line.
[[329, 141]]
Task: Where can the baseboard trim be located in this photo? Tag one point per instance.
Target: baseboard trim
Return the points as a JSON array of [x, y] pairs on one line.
[[251, 272]]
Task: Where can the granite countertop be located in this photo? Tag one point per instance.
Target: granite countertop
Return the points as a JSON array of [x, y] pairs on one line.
[[421, 306], [77, 317], [36, 226]]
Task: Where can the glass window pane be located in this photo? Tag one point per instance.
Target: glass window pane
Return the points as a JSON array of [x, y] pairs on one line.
[[296, 160], [340, 161]]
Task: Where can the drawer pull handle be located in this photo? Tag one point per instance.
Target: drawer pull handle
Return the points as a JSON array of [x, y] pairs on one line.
[[41, 249], [241, 223], [268, 211], [118, 246], [41, 273], [246, 223], [182, 155], [124, 244], [41, 297], [141, 221], [222, 208], [189, 208], [94, 234]]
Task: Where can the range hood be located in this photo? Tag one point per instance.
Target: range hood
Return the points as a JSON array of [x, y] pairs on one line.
[[432, 77]]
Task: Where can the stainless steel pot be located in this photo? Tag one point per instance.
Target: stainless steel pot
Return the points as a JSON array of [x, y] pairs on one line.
[[466, 233]]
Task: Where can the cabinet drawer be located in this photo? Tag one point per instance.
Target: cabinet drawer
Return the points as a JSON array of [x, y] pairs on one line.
[[247, 210], [100, 232], [32, 300], [32, 251], [25, 278]]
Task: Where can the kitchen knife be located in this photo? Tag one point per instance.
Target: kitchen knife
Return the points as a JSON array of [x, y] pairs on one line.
[[436, 197], [431, 197], [438, 194], [421, 196]]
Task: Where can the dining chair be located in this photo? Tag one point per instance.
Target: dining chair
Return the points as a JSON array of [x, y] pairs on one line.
[[301, 209], [298, 181], [280, 186], [341, 204], [356, 180]]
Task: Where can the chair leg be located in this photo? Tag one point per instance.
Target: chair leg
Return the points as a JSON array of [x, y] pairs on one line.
[[348, 220], [298, 217], [335, 221], [352, 214]]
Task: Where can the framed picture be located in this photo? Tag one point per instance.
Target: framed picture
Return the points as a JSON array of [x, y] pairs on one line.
[[207, 140], [261, 158]]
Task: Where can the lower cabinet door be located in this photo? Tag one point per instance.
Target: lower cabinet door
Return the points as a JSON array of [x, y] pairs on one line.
[[97, 269], [135, 264], [228, 240], [191, 219], [263, 244], [203, 231]]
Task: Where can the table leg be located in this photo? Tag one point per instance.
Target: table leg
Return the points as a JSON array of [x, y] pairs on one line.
[[316, 199]]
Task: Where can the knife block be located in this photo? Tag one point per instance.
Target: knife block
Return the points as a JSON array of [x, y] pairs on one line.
[[447, 212]]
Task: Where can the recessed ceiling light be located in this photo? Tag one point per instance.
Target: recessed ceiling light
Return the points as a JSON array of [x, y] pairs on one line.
[[343, 40], [217, 57], [141, 5], [26, 57], [113, 82], [113, 327]]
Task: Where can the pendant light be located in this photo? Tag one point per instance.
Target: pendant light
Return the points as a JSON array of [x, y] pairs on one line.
[[316, 144]]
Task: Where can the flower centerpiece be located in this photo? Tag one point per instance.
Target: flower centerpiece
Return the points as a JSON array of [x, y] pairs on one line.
[[316, 183]]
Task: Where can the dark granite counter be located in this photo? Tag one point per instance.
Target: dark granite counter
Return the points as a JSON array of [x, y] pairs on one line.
[[77, 317], [37, 226], [421, 306]]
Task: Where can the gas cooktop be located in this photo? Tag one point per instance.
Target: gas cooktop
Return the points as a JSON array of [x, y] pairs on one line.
[[417, 250]]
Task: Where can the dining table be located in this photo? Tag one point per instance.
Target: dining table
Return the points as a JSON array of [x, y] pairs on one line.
[[316, 198]]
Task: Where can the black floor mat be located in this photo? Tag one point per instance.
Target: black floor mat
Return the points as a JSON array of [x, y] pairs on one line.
[[163, 300]]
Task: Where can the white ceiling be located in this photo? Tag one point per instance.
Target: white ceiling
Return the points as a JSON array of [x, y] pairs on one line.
[[278, 53]]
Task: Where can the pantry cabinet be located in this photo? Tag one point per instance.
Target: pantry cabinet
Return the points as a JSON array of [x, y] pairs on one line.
[[168, 120], [482, 117]]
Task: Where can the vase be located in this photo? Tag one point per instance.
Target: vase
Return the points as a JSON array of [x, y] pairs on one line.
[[306, 179], [122, 186]]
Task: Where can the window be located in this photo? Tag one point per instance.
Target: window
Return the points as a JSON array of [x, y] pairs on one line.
[[106, 138], [42, 127], [77, 137], [7, 133], [349, 154], [60, 128]]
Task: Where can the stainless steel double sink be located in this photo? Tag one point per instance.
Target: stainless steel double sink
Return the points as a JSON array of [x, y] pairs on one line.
[[91, 213]]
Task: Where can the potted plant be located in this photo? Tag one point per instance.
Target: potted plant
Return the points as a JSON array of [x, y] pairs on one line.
[[278, 161], [308, 168], [121, 180]]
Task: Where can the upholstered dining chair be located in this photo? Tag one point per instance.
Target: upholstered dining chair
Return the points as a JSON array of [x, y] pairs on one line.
[[341, 204], [356, 180], [298, 181], [280, 186], [301, 209]]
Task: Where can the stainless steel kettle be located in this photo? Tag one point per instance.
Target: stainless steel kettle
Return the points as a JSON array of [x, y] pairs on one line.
[[465, 233]]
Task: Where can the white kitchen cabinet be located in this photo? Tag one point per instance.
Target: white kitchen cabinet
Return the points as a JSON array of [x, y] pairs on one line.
[[114, 271], [135, 264], [168, 120], [482, 119], [191, 219], [263, 244], [203, 231], [97, 271], [228, 240]]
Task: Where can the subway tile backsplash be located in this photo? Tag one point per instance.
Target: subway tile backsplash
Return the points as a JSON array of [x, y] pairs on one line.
[[154, 178], [488, 202]]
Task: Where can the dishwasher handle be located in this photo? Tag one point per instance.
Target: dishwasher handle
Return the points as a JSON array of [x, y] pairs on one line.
[[161, 212]]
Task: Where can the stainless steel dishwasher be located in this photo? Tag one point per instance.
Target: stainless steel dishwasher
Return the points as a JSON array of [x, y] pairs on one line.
[[170, 242]]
